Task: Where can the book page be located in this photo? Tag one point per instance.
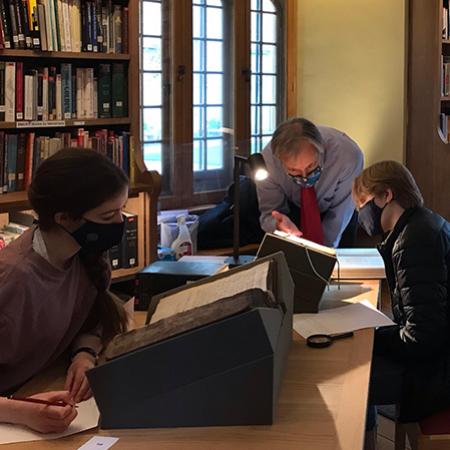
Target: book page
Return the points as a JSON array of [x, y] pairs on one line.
[[255, 277], [359, 263], [340, 320], [305, 243], [86, 419]]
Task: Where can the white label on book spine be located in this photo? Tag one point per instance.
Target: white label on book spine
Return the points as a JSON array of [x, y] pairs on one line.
[[19, 116], [2, 108], [119, 103]]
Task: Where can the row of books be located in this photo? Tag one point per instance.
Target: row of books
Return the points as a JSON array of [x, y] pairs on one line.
[[21, 153], [445, 75], [44, 93], [121, 256], [444, 120], [64, 25], [445, 21]]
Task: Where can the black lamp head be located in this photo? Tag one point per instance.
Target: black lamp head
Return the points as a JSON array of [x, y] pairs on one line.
[[258, 167]]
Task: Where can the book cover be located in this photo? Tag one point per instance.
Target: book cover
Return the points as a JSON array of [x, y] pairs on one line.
[[33, 20], [117, 18], [42, 26], [66, 26], [94, 26], [27, 24], [52, 93], [125, 29], [58, 97], [49, 25], [19, 15], [13, 22], [28, 96], [40, 94]]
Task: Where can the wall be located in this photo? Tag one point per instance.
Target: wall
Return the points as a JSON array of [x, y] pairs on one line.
[[351, 71]]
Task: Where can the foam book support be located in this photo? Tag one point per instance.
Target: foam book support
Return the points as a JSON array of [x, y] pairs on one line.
[[310, 265], [213, 353]]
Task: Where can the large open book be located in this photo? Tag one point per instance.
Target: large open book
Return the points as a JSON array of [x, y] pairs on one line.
[[359, 264], [310, 265]]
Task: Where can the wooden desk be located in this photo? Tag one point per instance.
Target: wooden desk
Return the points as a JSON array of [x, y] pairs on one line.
[[322, 404]]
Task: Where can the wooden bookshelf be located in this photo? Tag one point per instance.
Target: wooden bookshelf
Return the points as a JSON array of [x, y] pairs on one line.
[[69, 123], [145, 185], [427, 147], [64, 55]]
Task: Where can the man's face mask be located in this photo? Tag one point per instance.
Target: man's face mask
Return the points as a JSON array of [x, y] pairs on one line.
[[308, 181], [369, 217], [99, 236]]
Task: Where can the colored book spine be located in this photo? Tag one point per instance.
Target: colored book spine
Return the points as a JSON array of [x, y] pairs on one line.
[[19, 91], [10, 91], [66, 86], [104, 91], [118, 90], [2, 92], [7, 38]]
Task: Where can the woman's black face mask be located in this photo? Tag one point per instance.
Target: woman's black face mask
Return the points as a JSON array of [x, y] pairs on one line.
[[99, 237]]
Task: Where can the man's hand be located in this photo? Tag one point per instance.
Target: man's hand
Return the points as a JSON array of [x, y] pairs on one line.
[[285, 224], [76, 382], [47, 419]]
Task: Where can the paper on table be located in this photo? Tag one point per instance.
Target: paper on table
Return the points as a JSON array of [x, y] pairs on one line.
[[86, 419], [340, 320], [207, 293], [97, 442]]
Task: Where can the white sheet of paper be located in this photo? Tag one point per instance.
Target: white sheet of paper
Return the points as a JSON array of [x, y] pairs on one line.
[[99, 443], [255, 277], [86, 419], [340, 320]]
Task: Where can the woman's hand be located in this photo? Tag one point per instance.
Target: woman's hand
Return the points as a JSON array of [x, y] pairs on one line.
[[45, 418], [76, 382], [285, 224]]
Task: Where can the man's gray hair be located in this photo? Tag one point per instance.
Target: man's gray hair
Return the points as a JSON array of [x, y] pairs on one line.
[[288, 136]]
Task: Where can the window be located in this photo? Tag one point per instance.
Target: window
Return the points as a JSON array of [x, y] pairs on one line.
[[198, 99], [265, 99]]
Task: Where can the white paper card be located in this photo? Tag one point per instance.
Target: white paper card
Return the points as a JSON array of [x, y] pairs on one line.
[[99, 443], [86, 419], [340, 320]]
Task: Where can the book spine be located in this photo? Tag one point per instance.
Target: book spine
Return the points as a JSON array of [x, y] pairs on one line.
[[98, 6], [79, 85], [74, 96], [67, 29], [94, 26], [35, 83], [117, 29], [89, 38], [10, 91], [129, 242], [49, 25], [125, 19], [2, 160], [42, 26], [76, 17], [20, 25], [2, 93], [105, 28], [52, 93], [40, 95], [34, 23], [45, 94], [28, 97], [20, 164], [95, 98], [58, 97], [11, 149], [66, 85], [14, 28], [104, 91], [59, 36], [19, 90], [27, 24], [7, 38], [118, 81]]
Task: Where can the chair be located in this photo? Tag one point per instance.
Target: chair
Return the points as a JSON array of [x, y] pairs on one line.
[[431, 433]]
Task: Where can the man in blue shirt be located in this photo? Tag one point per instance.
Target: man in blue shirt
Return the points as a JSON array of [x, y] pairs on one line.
[[308, 191]]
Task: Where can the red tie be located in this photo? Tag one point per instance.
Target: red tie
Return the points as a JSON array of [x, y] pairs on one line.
[[310, 223]]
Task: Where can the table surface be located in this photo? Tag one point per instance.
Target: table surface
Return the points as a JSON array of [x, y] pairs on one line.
[[322, 404]]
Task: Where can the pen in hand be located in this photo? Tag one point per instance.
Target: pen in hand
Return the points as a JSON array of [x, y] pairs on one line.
[[42, 402]]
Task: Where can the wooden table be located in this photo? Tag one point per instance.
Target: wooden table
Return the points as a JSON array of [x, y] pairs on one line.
[[322, 405]]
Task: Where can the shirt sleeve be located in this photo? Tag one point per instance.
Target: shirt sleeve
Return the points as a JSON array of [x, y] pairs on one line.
[[338, 216], [91, 339]]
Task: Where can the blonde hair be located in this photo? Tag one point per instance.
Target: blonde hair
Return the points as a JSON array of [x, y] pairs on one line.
[[384, 175]]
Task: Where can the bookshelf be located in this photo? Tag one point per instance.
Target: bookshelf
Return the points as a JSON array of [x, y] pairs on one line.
[[427, 145], [144, 184]]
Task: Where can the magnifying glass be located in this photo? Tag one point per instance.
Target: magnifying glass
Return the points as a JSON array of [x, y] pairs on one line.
[[325, 340]]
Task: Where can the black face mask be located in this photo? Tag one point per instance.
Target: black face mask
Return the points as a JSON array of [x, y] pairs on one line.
[[369, 218], [99, 237]]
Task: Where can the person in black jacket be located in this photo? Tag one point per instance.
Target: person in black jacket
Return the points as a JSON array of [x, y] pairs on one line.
[[411, 360]]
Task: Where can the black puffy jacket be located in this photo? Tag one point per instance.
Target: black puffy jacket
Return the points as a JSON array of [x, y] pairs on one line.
[[417, 258]]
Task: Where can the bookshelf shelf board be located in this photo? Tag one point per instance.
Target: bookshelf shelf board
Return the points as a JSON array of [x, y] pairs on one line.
[[65, 123], [65, 55], [18, 201], [446, 41], [119, 274], [445, 99]]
